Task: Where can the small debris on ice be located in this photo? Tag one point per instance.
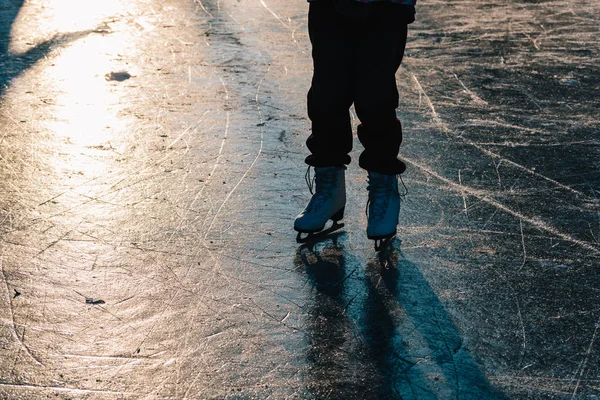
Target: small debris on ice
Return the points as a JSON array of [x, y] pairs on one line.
[[119, 76], [569, 82], [89, 300]]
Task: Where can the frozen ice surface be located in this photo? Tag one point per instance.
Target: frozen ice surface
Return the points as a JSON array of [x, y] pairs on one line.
[[146, 241]]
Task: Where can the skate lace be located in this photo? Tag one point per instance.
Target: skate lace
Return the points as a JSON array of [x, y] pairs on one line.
[[310, 180], [324, 183], [379, 195]]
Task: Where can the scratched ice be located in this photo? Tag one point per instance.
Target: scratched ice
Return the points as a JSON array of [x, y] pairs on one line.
[[151, 166]]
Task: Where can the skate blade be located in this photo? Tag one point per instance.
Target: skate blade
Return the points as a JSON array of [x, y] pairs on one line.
[[383, 243], [312, 237]]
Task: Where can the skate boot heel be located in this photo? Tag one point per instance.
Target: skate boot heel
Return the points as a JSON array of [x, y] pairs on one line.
[[338, 215]]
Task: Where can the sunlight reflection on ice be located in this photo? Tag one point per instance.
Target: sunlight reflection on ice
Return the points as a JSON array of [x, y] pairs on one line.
[[85, 103], [73, 15], [87, 111]]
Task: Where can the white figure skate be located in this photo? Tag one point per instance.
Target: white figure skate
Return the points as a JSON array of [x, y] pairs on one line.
[[327, 203], [383, 208]]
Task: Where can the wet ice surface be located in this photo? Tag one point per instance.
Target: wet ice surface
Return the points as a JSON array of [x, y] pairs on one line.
[[146, 245]]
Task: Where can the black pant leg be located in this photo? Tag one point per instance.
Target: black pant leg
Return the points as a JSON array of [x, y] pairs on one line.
[[331, 92], [379, 54]]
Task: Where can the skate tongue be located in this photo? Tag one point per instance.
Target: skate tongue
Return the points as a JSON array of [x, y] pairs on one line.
[[378, 208], [323, 179]]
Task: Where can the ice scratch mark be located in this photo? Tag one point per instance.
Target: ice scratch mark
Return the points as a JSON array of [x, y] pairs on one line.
[[436, 117], [258, 154], [534, 41], [226, 133], [168, 305], [237, 22], [129, 359], [61, 238], [474, 97], [242, 260], [157, 388], [215, 165], [497, 167], [12, 317], [530, 97], [523, 244], [592, 233], [181, 349], [185, 395], [581, 370], [507, 125], [444, 128], [463, 194], [538, 223], [63, 389], [520, 315], [254, 286], [199, 2], [275, 15]]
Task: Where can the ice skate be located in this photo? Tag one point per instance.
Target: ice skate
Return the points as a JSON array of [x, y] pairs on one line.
[[327, 203], [383, 208]]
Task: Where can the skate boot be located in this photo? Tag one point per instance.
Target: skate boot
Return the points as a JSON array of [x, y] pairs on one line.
[[327, 203], [383, 208]]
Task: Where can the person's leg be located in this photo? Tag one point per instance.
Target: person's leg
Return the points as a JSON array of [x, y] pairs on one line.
[[379, 55], [330, 95], [329, 101]]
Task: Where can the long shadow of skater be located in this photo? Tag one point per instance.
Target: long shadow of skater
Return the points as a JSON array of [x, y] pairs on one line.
[[349, 332], [384, 335], [332, 365], [422, 355], [13, 65], [385, 348]]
